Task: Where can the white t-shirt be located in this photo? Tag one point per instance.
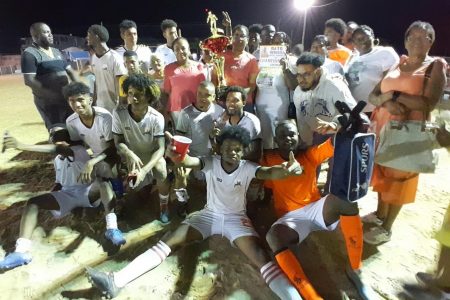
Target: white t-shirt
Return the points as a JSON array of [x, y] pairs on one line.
[[225, 193], [272, 100], [106, 69], [250, 122], [333, 66], [96, 137], [144, 54], [166, 53], [139, 136], [68, 169], [319, 103], [197, 126], [363, 72]]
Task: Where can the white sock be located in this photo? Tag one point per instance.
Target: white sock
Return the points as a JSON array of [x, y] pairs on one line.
[[163, 199], [23, 245], [278, 282], [142, 264], [182, 195], [111, 221]]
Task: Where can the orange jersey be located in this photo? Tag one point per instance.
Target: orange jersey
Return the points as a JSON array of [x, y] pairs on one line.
[[297, 191], [340, 54]]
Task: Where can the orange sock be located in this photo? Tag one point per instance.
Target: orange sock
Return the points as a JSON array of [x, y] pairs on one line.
[[293, 270], [352, 230]]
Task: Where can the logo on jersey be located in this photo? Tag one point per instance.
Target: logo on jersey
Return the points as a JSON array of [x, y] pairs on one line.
[[321, 109], [237, 183], [219, 179]]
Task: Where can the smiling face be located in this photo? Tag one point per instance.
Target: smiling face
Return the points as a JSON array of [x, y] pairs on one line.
[[418, 42], [129, 36], [286, 137], [81, 104], [231, 152], [205, 97], [234, 103], [182, 51], [267, 35]]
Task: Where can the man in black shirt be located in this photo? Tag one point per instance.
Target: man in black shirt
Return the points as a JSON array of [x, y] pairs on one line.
[[46, 72]]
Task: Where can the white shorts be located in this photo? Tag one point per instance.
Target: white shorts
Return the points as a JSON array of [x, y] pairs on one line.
[[231, 226], [306, 219], [71, 198]]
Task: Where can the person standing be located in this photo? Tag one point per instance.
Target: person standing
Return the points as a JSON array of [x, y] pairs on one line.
[[170, 33], [46, 72], [129, 35], [107, 66], [335, 29]]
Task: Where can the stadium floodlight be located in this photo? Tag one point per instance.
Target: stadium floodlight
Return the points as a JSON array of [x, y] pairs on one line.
[[303, 5]]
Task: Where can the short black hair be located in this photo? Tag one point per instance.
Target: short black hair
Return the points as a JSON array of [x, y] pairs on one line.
[[365, 30], [422, 25], [129, 53], [236, 133], [236, 89], [127, 24], [286, 123], [179, 39], [143, 83], [255, 28], [321, 39], [61, 135], [35, 27], [241, 27], [100, 31], [268, 27], [309, 58], [75, 88], [337, 24], [168, 23]]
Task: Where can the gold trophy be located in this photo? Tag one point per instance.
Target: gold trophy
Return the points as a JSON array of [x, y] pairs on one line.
[[216, 44]]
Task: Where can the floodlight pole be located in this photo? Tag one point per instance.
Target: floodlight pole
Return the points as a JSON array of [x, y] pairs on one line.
[[304, 28]]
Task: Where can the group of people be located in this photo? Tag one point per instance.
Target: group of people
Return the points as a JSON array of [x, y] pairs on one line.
[[243, 141]]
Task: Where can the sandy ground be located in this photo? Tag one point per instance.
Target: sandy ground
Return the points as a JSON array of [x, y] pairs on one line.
[[206, 270]]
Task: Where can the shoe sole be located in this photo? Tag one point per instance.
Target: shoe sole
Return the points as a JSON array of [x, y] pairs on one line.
[[365, 291]]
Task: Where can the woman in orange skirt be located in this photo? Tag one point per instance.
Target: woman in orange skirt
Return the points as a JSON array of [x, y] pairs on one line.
[[409, 91]]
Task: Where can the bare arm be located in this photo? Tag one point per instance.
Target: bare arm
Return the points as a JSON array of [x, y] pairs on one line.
[[12, 143], [72, 74], [187, 162], [156, 156], [432, 92], [35, 85], [290, 168]]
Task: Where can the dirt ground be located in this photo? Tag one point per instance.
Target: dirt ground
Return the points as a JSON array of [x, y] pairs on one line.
[[211, 269]]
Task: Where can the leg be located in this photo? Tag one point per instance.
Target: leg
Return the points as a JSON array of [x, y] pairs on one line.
[[279, 238], [382, 208], [21, 255], [30, 215], [163, 185], [274, 277], [392, 214]]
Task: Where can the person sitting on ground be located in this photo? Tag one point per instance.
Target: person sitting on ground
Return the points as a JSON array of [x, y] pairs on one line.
[[196, 122], [301, 209], [72, 190], [138, 131], [228, 177], [131, 61], [335, 29], [92, 125]]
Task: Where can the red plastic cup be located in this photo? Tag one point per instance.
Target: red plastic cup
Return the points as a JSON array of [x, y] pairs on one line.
[[181, 144]]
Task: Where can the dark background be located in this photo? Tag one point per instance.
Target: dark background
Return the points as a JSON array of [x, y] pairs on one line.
[[388, 18]]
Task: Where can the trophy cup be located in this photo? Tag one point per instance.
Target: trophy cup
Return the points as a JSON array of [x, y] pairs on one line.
[[216, 44]]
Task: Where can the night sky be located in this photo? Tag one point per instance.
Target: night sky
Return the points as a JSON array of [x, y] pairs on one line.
[[388, 18]]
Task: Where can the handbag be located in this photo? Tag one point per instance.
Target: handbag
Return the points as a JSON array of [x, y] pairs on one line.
[[408, 145]]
